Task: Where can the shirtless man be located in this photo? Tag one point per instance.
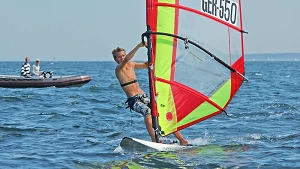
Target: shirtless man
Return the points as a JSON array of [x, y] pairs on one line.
[[137, 98]]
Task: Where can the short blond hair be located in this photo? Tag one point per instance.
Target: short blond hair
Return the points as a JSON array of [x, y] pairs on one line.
[[118, 49]]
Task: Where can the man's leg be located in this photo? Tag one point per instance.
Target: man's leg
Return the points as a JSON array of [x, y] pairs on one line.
[[148, 123], [182, 141], [146, 112], [142, 108]]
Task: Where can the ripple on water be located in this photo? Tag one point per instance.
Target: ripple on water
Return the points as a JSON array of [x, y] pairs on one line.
[[81, 127]]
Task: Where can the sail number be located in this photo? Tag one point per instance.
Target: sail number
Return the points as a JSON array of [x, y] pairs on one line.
[[225, 10]]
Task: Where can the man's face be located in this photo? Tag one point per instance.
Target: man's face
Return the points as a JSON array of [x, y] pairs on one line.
[[120, 56], [27, 60]]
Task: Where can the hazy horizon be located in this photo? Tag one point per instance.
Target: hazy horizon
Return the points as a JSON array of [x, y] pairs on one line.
[[248, 57]]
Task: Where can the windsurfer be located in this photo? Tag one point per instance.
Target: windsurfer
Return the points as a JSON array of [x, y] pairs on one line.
[[137, 99]]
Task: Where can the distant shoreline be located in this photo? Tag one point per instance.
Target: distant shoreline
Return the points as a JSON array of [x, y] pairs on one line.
[[273, 57], [248, 57]]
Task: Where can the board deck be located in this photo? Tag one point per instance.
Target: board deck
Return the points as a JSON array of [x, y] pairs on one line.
[[134, 144]]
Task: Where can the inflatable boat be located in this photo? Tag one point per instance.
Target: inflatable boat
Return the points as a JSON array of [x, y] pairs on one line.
[[8, 81]]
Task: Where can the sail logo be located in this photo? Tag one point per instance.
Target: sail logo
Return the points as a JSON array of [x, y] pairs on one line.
[[226, 10], [169, 116]]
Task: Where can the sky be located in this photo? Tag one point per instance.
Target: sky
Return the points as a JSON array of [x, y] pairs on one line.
[[88, 30]]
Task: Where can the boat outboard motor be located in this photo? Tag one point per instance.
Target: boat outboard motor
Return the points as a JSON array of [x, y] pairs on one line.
[[47, 74]]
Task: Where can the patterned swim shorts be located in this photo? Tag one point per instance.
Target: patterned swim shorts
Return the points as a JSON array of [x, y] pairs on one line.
[[140, 103]]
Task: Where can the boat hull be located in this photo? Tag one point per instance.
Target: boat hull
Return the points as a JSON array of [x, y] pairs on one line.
[[55, 81]]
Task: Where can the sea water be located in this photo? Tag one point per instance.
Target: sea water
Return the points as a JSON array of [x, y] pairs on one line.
[[81, 127]]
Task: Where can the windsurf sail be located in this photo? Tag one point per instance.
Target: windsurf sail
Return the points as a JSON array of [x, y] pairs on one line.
[[196, 59]]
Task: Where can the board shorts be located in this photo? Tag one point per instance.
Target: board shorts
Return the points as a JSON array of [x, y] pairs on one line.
[[139, 103]]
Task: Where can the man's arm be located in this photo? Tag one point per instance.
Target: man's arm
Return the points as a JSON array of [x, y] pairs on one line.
[[131, 54], [141, 65]]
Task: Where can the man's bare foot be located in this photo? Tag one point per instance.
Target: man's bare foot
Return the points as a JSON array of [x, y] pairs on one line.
[[161, 141], [184, 143]]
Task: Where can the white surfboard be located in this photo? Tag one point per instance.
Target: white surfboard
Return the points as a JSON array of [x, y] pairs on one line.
[[134, 144]]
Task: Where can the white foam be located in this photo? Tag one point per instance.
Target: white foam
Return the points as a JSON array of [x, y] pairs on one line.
[[118, 150]]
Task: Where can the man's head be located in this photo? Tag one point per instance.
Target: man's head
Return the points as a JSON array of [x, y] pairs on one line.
[[37, 61], [27, 59], [119, 54]]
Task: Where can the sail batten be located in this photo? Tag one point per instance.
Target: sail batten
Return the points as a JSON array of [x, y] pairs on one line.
[[196, 57]]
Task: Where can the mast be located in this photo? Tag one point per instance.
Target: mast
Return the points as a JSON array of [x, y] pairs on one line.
[[154, 113], [152, 92]]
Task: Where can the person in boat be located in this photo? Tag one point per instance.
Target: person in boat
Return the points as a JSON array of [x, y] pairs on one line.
[[25, 70], [36, 69], [137, 98]]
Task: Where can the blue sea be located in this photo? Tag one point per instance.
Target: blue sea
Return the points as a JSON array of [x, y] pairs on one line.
[[82, 127]]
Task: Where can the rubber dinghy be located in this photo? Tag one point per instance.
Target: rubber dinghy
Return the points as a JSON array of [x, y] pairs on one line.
[[8, 81]]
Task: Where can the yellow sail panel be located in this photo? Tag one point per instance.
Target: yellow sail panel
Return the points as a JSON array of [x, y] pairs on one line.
[[163, 64], [164, 44], [166, 107], [163, 67], [222, 96]]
